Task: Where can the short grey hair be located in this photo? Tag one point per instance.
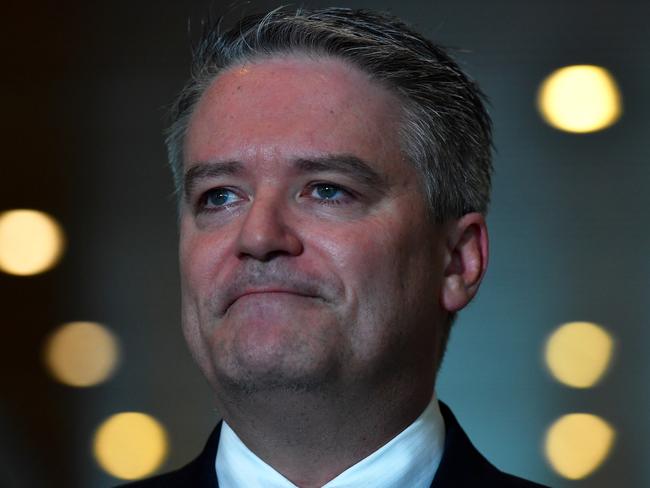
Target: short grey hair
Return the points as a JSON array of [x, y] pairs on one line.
[[446, 131]]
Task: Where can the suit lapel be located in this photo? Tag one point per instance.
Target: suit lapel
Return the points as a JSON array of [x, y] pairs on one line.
[[461, 463]]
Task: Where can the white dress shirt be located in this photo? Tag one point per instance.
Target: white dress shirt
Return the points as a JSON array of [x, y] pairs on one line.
[[409, 459]]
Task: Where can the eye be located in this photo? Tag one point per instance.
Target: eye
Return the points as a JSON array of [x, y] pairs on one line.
[[218, 198], [328, 193]]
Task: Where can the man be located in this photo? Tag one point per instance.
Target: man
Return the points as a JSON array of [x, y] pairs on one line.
[[333, 169]]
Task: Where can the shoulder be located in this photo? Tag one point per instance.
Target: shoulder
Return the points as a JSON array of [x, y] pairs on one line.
[[199, 473], [463, 465]]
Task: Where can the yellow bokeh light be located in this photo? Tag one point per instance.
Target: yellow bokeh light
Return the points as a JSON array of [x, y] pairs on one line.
[[578, 353], [580, 98], [81, 354], [130, 445], [577, 443], [31, 242]]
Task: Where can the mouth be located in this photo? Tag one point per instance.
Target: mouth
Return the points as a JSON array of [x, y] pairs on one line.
[[269, 291]]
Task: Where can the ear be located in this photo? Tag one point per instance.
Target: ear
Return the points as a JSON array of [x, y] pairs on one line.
[[466, 259]]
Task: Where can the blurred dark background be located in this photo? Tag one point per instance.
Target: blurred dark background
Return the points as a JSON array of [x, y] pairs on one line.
[[85, 86]]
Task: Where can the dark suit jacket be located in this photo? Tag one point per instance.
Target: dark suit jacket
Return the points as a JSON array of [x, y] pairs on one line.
[[461, 465]]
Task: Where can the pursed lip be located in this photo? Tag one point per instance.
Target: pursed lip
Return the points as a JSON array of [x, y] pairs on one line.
[[257, 291]]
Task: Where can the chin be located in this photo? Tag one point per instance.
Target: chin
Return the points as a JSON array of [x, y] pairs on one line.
[[272, 382], [250, 377], [275, 357]]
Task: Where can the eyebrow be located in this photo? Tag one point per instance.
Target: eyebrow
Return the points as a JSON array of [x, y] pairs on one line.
[[338, 163], [346, 164], [213, 169]]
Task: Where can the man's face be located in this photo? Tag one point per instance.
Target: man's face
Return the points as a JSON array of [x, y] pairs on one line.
[[306, 254]]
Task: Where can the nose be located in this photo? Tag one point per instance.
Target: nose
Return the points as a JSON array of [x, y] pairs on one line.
[[267, 231]]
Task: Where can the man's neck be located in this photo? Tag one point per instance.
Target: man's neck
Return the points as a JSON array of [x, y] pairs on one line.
[[311, 437]]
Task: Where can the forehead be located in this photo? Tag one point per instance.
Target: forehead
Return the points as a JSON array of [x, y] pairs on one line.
[[294, 107]]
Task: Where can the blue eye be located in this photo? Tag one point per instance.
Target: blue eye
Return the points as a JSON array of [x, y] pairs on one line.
[[328, 192], [220, 197]]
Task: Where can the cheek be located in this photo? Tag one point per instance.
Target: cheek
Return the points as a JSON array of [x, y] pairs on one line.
[[370, 262], [194, 259], [389, 266], [380, 248], [201, 257]]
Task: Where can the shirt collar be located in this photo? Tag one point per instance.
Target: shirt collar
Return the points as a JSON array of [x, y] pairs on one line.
[[409, 459]]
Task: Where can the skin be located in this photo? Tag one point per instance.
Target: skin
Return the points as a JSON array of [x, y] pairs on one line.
[[314, 287]]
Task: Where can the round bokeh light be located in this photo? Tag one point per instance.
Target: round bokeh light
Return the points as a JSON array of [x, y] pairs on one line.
[[578, 353], [82, 354], [31, 242], [577, 444], [580, 98], [130, 445]]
